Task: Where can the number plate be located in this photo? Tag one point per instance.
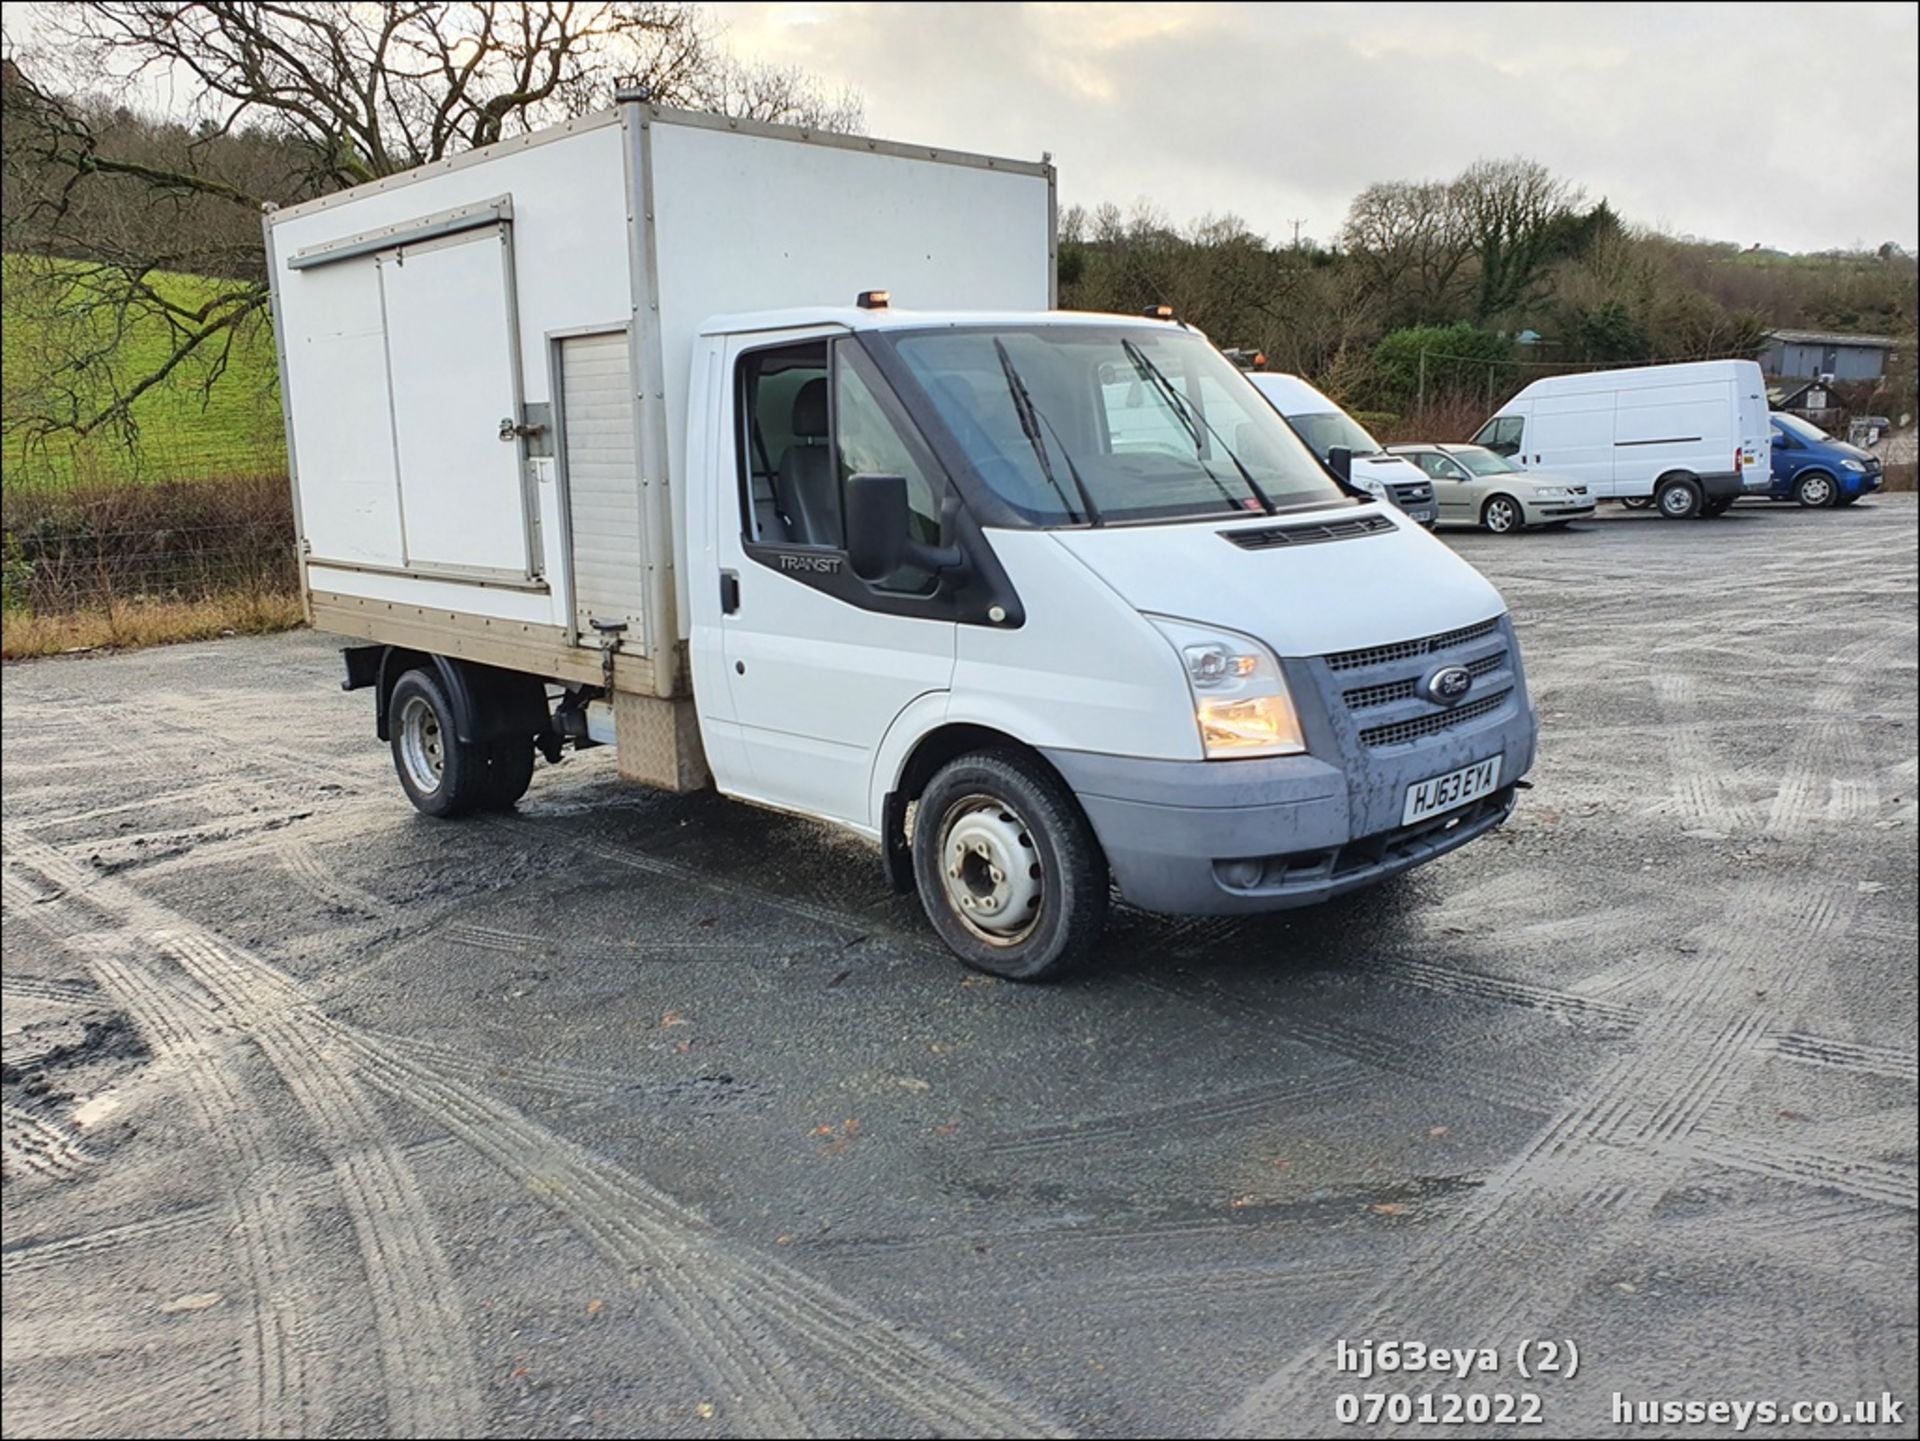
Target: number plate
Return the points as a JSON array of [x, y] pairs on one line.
[[1455, 788], [1421, 513]]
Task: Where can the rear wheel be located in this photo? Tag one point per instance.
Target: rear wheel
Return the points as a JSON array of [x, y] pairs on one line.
[[1502, 515], [1007, 867], [1719, 505], [1679, 498], [442, 775], [1815, 490]]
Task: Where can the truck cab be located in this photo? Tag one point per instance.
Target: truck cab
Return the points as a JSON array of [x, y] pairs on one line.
[[1056, 584]]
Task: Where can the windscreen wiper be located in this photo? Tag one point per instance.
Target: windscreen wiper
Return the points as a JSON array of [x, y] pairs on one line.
[[1030, 421], [1193, 420]]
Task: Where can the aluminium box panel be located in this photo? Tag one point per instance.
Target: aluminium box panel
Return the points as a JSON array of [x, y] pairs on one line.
[[761, 218], [571, 270]]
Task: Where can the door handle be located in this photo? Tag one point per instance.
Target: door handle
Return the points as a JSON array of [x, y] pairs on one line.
[[729, 592]]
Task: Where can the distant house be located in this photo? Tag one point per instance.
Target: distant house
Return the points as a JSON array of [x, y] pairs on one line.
[[1810, 354]]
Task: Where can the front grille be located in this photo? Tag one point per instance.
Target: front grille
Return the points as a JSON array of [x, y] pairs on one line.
[[1416, 494], [1276, 535], [1386, 693], [1400, 732], [1407, 649]]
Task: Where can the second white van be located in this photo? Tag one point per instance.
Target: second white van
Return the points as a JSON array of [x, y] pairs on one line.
[[1693, 437]]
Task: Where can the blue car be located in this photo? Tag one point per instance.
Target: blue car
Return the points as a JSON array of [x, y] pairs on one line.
[[1813, 468]]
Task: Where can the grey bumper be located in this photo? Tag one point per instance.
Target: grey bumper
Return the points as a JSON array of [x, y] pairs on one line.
[[1733, 483], [1220, 837]]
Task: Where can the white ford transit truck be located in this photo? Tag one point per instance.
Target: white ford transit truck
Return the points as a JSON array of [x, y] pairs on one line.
[[603, 436]]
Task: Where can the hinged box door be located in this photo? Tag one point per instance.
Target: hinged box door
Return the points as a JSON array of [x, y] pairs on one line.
[[452, 360]]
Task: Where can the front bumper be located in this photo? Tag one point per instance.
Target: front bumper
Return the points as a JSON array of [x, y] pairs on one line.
[[1224, 837], [1544, 512], [1860, 482]]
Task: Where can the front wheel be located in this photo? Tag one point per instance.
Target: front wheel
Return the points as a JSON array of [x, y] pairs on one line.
[[1814, 490], [1008, 869], [1636, 502], [1503, 515]]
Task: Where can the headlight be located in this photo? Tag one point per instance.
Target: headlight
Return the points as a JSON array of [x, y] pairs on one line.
[[1550, 492], [1852, 465], [1240, 699]]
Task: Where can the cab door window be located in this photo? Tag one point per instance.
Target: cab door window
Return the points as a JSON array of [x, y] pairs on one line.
[[791, 495], [813, 415]]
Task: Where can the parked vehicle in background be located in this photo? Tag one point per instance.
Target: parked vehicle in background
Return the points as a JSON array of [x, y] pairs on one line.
[[1326, 428], [1691, 438], [1816, 469], [1473, 486], [1034, 601]]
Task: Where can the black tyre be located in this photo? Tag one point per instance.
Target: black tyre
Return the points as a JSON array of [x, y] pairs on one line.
[[1636, 502], [441, 775], [1502, 515], [1718, 505], [1679, 498], [509, 773], [1815, 490], [1845, 500], [1007, 867]]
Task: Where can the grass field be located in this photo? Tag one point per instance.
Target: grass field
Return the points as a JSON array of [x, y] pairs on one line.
[[183, 433]]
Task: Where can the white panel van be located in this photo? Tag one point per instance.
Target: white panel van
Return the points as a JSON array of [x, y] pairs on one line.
[[1693, 437]]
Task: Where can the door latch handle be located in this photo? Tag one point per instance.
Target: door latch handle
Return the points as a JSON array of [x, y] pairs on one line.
[[729, 592], [510, 431]]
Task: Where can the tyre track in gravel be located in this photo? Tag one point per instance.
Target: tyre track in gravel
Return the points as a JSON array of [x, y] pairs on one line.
[[425, 1361], [31, 1145], [1600, 1165], [1829, 772], [726, 1301]]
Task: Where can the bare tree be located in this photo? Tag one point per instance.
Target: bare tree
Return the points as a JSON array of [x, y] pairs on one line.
[[1411, 244], [337, 95]]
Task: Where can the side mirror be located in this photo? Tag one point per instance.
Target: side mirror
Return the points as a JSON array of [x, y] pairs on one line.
[[1340, 461], [878, 545]]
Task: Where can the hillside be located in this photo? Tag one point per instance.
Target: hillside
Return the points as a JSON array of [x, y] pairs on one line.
[[185, 430]]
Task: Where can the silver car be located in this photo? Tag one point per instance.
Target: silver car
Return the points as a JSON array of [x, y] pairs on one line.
[[1474, 486]]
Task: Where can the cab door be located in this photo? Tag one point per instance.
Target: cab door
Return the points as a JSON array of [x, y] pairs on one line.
[[817, 663]]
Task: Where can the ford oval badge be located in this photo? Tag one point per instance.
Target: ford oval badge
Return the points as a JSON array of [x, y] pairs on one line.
[[1448, 685]]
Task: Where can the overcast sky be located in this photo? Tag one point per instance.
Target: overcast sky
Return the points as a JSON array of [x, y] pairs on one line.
[[1788, 125]]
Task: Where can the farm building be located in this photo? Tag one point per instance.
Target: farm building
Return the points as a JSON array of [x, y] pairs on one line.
[[1809, 354]]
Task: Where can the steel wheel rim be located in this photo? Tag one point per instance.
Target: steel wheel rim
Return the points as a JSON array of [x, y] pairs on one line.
[[1675, 500], [990, 870], [423, 747], [1817, 489], [1500, 517]]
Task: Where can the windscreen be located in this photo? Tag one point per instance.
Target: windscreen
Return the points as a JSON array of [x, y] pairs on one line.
[[1799, 429], [1091, 424], [1481, 461], [1325, 429]]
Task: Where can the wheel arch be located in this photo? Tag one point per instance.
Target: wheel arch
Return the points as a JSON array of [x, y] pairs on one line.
[[488, 703], [1509, 497], [916, 762]]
